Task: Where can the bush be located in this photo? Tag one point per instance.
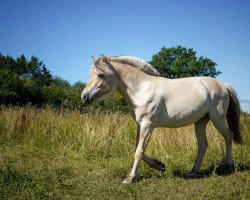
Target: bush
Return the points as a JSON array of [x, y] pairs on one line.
[[53, 95]]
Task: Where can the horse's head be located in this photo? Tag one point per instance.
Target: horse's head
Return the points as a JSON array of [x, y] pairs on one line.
[[102, 80]]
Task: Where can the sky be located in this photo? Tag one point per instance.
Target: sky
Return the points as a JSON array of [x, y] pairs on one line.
[[65, 34]]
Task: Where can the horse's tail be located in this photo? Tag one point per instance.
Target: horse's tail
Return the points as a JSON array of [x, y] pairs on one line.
[[233, 115]]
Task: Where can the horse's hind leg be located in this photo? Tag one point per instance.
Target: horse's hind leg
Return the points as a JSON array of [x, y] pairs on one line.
[[200, 132], [221, 126]]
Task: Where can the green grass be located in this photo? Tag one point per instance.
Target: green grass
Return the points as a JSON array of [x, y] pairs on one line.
[[48, 154]]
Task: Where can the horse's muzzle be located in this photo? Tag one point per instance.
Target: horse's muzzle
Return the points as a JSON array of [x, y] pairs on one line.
[[86, 98], [89, 96]]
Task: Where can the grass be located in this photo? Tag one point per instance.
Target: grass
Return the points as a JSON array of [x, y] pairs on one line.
[[49, 154]]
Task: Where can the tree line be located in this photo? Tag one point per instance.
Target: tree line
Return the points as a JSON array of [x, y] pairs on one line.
[[24, 81]]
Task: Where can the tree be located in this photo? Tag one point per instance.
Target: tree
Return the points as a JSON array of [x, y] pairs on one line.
[[115, 102], [53, 95], [21, 81], [179, 62], [10, 87], [58, 81], [38, 72]]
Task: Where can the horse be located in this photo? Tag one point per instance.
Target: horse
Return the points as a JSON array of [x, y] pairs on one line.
[[155, 101]]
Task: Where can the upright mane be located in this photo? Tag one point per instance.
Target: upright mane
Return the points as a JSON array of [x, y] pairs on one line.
[[136, 62]]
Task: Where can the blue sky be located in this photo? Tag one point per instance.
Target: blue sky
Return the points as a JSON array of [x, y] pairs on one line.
[[64, 34]]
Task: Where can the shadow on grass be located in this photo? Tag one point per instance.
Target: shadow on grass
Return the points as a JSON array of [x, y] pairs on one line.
[[220, 169]]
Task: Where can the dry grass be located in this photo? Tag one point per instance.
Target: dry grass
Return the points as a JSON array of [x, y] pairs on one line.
[[48, 154]]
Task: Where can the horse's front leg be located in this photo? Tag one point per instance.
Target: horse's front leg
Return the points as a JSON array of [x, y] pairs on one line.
[[143, 138], [152, 162]]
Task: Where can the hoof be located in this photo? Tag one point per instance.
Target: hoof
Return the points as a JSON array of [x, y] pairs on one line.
[[158, 165], [129, 180], [193, 175], [229, 166], [225, 168]]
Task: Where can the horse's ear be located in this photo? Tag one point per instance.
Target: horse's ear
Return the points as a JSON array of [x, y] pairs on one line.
[[105, 59], [94, 59]]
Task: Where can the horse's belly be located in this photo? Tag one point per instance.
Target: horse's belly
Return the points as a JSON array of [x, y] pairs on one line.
[[176, 123], [181, 116]]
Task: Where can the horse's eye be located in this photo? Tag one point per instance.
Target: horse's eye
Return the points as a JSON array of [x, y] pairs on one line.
[[101, 75]]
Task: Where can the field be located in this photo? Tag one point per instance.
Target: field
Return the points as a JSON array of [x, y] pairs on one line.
[[51, 154]]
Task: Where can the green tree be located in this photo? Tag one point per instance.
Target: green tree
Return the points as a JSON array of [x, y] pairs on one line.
[[11, 87], [179, 62], [53, 95], [58, 81], [38, 72], [75, 93], [21, 80], [115, 102]]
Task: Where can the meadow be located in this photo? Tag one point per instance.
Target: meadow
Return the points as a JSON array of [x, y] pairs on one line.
[[64, 154]]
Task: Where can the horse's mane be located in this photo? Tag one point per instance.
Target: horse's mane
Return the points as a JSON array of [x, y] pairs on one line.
[[136, 62]]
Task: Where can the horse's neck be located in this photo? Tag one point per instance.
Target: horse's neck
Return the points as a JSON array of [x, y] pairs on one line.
[[130, 81]]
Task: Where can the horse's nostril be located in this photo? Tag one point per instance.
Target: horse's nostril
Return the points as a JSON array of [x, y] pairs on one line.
[[86, 97]]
